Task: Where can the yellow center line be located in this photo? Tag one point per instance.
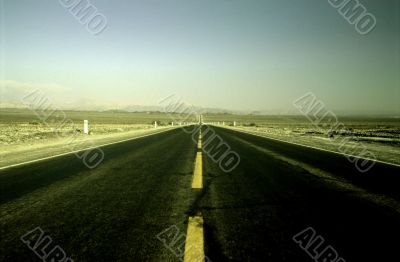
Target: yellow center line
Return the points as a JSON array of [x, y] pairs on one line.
[[198, 172], [199, 142], [194, 246], [198, 167]]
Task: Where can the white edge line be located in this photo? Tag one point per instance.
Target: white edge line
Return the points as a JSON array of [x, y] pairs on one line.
[[317, 148], [80, 150]]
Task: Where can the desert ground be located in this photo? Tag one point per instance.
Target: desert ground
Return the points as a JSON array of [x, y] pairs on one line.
[[378, 135], [26, 135]]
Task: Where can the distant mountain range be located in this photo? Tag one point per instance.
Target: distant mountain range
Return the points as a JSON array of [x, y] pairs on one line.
[[101, 107], [12, 95], [91, 106]]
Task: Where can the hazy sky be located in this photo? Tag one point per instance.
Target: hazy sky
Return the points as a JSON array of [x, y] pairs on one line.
[[234, 54]]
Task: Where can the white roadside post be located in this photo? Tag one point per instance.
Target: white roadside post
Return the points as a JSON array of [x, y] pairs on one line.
[[234, 123], [86, 127], [155, 124]]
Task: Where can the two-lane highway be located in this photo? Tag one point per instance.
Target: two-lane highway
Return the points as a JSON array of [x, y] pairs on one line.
[[145, 187]]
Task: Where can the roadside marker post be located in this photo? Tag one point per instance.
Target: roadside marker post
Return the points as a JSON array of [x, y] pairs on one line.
[[86, 127]]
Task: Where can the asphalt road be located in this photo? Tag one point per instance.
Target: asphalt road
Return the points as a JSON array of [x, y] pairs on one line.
[[143, 187]]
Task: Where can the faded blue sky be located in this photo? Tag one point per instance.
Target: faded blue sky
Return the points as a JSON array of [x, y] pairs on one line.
[[234, 54]]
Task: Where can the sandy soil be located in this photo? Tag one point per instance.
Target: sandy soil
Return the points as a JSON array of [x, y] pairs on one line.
[[26, 146], [385, 147]]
